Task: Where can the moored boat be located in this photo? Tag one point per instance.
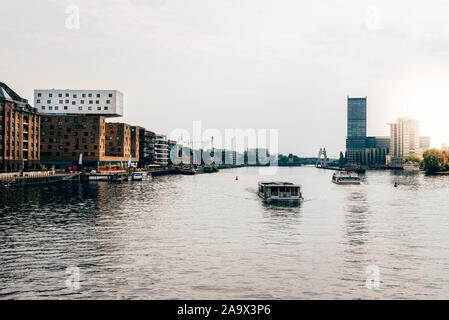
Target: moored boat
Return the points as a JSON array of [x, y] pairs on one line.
[[345, 177], [140, 176], [280, 191]]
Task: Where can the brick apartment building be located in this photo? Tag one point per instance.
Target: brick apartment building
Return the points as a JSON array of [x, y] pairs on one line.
[[65, 137], [19, 132]]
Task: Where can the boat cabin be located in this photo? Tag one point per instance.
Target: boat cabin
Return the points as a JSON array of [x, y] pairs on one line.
[[279, 191]]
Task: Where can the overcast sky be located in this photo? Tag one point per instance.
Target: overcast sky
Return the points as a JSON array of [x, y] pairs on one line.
[[282, 64]]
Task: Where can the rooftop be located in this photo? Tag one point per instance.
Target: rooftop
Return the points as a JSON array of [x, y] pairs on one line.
[[278, 184]]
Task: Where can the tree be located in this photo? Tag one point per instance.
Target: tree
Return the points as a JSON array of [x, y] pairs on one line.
[[433, 159], [414, 158], [342, 160]]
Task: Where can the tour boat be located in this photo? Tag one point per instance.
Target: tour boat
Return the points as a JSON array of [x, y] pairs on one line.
[[280, 191], [346, 177]]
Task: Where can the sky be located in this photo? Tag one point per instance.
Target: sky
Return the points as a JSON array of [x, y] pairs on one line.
[[251, 64]]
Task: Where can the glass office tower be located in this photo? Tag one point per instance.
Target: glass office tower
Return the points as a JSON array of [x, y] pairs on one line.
[[356, 136]]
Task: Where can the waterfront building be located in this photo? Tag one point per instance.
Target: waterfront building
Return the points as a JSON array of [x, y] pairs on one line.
[[119, 142], [147, 141], [405, 139], [67, 138], [356, 131], [424, 143], [161, 150], [361, 149], [19, 132], [108, 103], [377, 150]]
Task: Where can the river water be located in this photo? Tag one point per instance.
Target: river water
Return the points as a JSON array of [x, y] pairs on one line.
[[210, 237]]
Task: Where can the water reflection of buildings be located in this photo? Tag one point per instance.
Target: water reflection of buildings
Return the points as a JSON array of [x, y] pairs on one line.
[[356, 234]]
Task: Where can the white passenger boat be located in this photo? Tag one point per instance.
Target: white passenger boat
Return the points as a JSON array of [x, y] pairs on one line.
[[346, 177], [280, 191]]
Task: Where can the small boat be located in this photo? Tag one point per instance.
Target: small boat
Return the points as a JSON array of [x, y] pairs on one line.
[[280, 191], [140, 176], [411, 167], [345, 177]]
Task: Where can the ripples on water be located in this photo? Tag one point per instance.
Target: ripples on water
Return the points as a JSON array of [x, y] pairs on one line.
[[210, 236]]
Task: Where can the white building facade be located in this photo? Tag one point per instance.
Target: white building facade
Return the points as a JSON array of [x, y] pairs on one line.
[[404, 138], [108, 103], [161, 150]]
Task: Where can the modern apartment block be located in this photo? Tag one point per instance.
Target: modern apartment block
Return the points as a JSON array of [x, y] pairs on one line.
[[65, 137], [161, 150], [108, 103], [405, 139], [119, 142], [19, 132], [147, 140]]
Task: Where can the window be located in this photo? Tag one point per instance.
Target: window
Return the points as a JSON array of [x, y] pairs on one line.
[[83, 95], [98, 108], [48, 101], [61, 101], [50, 108], [82, 101], [89, 108], [67, 101], [50, 95], [91, 101], [38, 101], [67, 95], [60, 95], [75, 96], [98, 95], [56, 108], [39, 95], [110, 95], [97, 102], [66, 108], [90, 95], [106, 108], [43, 108], [80, 108], [108, 101]]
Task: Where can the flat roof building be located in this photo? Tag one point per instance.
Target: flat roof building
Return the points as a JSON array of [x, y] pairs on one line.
[[107, 103], [65, 137]]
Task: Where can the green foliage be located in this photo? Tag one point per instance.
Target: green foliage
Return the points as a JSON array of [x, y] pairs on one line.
[[210, 169], [413, 158], [433, 161]]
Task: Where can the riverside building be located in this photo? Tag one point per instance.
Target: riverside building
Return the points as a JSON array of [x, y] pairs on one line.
[[108, 103], [405, 139], [74, 129], [147, 140], [361, 149], [161, 150], [19, 132], [65, 139]]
